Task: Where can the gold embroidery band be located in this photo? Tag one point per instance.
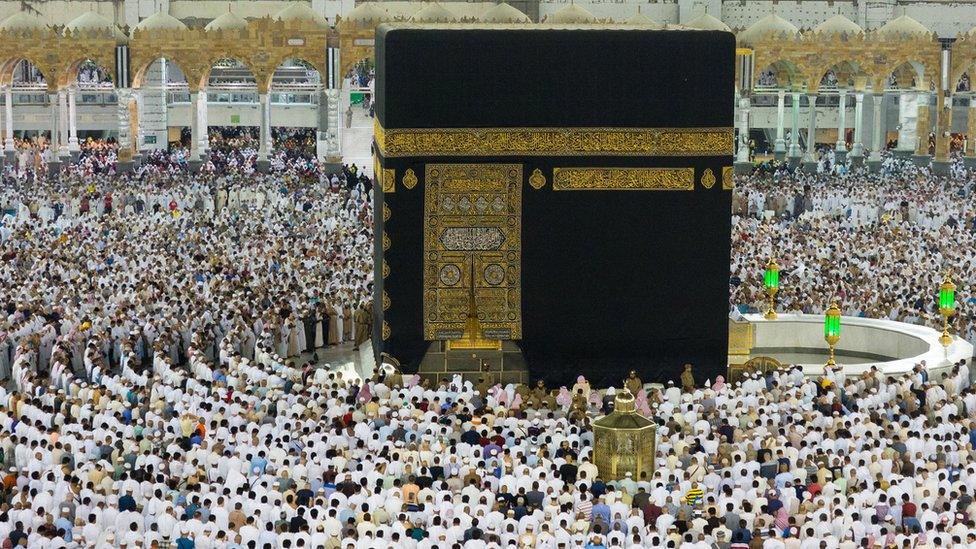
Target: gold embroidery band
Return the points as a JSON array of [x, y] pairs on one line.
[[623, 179], [554, 141]]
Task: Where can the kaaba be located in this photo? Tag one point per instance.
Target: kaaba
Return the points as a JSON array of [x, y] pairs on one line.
[[565, 191]]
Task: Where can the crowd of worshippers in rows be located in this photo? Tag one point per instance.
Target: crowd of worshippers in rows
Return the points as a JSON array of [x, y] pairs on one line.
[[231, 150], [878, 243], [162, 387]]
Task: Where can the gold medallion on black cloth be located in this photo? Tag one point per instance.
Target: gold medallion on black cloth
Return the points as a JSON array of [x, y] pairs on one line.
[[472, 239]]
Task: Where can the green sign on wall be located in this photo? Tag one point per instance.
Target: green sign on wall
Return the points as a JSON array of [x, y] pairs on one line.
[[235, 119]]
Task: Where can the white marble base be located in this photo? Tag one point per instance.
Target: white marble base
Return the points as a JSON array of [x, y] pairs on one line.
[[903, 345]]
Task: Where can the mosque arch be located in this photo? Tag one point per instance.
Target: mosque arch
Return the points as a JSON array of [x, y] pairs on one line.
[[88, 73], [22, 70], [781, 74], [229, 72], [139, 76], [905, 74]]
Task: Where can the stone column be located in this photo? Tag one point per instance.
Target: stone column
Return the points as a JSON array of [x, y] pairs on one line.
[[794, 152], [123, 97], [204, 130], [810, 158], [857, 149], [264, 138], [54, 166], [137, 100], [322, 129], [840, 148], [8, 115], [333, 150], [779, 147], [922, 128], [874, 160], [73, 147], [63, 123], [943, 125], [742, 163], [194, 160], [970, 158]]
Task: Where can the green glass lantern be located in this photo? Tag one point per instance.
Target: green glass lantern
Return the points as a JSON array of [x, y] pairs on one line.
[[832, 330], [771, 285], [947, 307], [947, 297]]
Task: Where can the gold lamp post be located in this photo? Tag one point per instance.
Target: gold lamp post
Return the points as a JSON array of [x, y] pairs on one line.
[[832, 330], [771, 284], [947, 307]]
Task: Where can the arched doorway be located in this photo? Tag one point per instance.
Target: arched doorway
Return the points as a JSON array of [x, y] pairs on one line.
[[90, 85], [230, 116], [29, 88], [296, 96], [163, 90], [906, 85]]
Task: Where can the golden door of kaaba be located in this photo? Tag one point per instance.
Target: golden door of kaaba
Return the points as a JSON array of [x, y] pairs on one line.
[[528, 226], [472, 250]]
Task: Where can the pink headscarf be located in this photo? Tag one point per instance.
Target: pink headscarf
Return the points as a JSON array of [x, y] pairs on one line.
[[516, 402], [643, 406], [411, 381], [719, 384], [564, 399], [365, 395]]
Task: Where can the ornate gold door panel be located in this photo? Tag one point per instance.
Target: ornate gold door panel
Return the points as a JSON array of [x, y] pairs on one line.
[[472, 236]]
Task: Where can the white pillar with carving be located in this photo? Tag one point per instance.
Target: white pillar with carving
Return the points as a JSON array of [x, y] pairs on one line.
[[810, 156], [795, 127], [123, 96], [322, 125], [841, 145], [194, 126], [779, 147], [63, 122], [203, 122], [877, 140], [55, 125], [8, 108], [265, 134], [72, 121], [743, 152], [140, 139], [333, 149], [858, 148]]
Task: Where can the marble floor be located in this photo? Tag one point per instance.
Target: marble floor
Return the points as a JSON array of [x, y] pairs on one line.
[[343, 359], [355, 140]]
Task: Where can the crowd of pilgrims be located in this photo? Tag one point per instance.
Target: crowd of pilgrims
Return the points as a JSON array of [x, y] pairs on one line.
[[162, 389], [879, 244]]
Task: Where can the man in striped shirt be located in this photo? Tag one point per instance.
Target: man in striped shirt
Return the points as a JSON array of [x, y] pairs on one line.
[[694, 495]]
